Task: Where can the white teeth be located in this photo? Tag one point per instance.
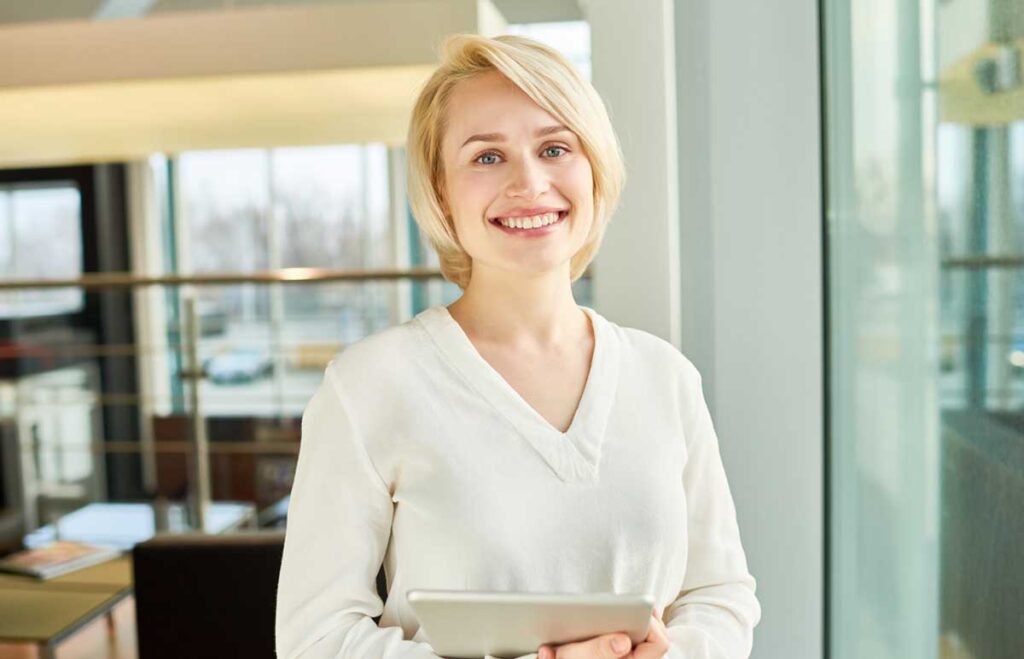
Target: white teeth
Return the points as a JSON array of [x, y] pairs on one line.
[[532, 222]]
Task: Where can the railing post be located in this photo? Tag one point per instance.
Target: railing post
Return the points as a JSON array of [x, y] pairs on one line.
[[199, 466]]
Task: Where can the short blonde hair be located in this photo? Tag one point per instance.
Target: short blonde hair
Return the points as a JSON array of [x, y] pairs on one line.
[[553, 84]]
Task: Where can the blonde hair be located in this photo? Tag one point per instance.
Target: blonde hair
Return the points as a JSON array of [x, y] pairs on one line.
[[553, 84]]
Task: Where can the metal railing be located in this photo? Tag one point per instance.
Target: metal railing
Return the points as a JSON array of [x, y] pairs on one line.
[[196, 446], [279, 276]]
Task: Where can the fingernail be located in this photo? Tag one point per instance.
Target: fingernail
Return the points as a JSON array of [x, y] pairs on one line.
[[620, 644]]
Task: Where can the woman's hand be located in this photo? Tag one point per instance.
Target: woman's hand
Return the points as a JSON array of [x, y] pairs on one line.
[[600, 647]]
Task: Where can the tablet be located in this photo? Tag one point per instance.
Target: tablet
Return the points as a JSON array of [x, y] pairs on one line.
[[462, 624]]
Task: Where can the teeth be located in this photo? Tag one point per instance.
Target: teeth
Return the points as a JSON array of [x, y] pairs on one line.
[[532, 222]]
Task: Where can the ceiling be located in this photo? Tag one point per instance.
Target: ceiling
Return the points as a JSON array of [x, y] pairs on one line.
[[21, 11], [81, 91]]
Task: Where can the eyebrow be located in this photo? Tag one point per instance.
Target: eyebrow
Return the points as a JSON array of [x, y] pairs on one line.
[[498, 137]]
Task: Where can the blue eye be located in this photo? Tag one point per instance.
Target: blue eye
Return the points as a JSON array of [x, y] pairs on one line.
[[490, 154]]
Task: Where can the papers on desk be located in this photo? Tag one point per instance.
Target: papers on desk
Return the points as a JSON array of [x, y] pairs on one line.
[[57, 558]]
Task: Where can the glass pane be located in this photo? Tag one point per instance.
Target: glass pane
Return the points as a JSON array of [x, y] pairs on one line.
[[40, 238], [924, 219], [224, 205], [57, 419], [333, 206]]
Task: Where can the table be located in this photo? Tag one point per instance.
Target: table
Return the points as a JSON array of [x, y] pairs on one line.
[[47, 612]]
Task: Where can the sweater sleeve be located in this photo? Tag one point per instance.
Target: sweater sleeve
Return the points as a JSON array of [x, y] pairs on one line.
[[714, 614], [338, 528]]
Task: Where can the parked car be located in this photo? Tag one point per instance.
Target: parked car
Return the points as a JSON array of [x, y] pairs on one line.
[[1016, 355], [238, 365], [213, 318]]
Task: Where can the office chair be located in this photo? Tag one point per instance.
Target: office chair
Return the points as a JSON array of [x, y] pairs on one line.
[[209, 595]]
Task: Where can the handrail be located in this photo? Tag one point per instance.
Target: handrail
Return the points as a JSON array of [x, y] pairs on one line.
[[183, 446], [281, 275], [984, 261]]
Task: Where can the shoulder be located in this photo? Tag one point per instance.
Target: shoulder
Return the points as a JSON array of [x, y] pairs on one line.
[[663, 373], [655, 352], [377, 356]]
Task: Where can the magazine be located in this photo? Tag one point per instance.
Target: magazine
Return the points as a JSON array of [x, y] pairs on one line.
[[57, 558]]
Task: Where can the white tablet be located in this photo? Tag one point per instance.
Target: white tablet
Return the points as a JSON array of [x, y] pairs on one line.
[[462, 624]]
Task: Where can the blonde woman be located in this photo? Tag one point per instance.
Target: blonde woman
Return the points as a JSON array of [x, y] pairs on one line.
[[511, 440]]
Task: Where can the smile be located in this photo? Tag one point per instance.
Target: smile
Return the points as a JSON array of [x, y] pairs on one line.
[[533, 231]]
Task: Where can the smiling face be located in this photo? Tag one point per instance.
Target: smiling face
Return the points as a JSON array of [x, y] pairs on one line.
[[503, 157]]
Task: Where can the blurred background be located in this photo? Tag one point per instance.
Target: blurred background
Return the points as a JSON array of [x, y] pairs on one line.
[[202, 201]]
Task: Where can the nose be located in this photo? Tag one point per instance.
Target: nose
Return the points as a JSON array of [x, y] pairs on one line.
[[527, 179]]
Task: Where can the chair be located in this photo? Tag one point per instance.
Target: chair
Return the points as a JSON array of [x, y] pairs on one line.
[[210, 595], [12, 530]]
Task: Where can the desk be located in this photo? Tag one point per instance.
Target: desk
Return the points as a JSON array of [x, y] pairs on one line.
[[47, 612]]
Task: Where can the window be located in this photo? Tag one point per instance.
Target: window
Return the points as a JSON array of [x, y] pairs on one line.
[[40, 238], [925, 231]]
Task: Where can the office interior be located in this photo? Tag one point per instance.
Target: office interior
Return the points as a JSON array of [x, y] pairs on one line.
[[203, 201]]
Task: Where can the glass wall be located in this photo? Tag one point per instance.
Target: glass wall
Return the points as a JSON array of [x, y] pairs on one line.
[[924, 117]]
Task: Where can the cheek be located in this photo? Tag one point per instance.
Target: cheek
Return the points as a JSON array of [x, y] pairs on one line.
[[581, 180], [472, 189]]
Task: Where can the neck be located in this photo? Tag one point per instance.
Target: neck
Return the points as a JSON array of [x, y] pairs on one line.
[[536, 312]]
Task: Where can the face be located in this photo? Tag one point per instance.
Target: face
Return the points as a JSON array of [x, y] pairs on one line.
[[500, 161]]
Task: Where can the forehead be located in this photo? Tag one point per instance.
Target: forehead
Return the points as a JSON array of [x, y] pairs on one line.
[[491, 103]]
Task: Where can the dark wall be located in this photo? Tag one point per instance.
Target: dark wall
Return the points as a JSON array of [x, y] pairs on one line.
[[40, 344], [982, 538]]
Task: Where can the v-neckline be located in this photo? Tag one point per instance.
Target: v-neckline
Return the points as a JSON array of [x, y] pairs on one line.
[[574, 455]]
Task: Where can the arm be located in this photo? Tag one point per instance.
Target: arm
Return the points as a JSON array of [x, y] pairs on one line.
[[715, 612], [339, 524]]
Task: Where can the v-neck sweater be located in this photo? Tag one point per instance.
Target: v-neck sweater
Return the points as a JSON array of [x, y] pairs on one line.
[[416, 454]]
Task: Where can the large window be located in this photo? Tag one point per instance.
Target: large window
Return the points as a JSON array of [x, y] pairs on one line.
[[925, 230]]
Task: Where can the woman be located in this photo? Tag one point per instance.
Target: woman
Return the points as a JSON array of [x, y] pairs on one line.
[[512, 440]]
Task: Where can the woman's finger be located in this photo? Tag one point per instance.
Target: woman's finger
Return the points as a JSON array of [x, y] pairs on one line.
[[599, 647], [656, 644], [653, 647]]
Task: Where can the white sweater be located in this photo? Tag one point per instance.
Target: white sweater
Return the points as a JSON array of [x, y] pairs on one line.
[[416, 453]]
